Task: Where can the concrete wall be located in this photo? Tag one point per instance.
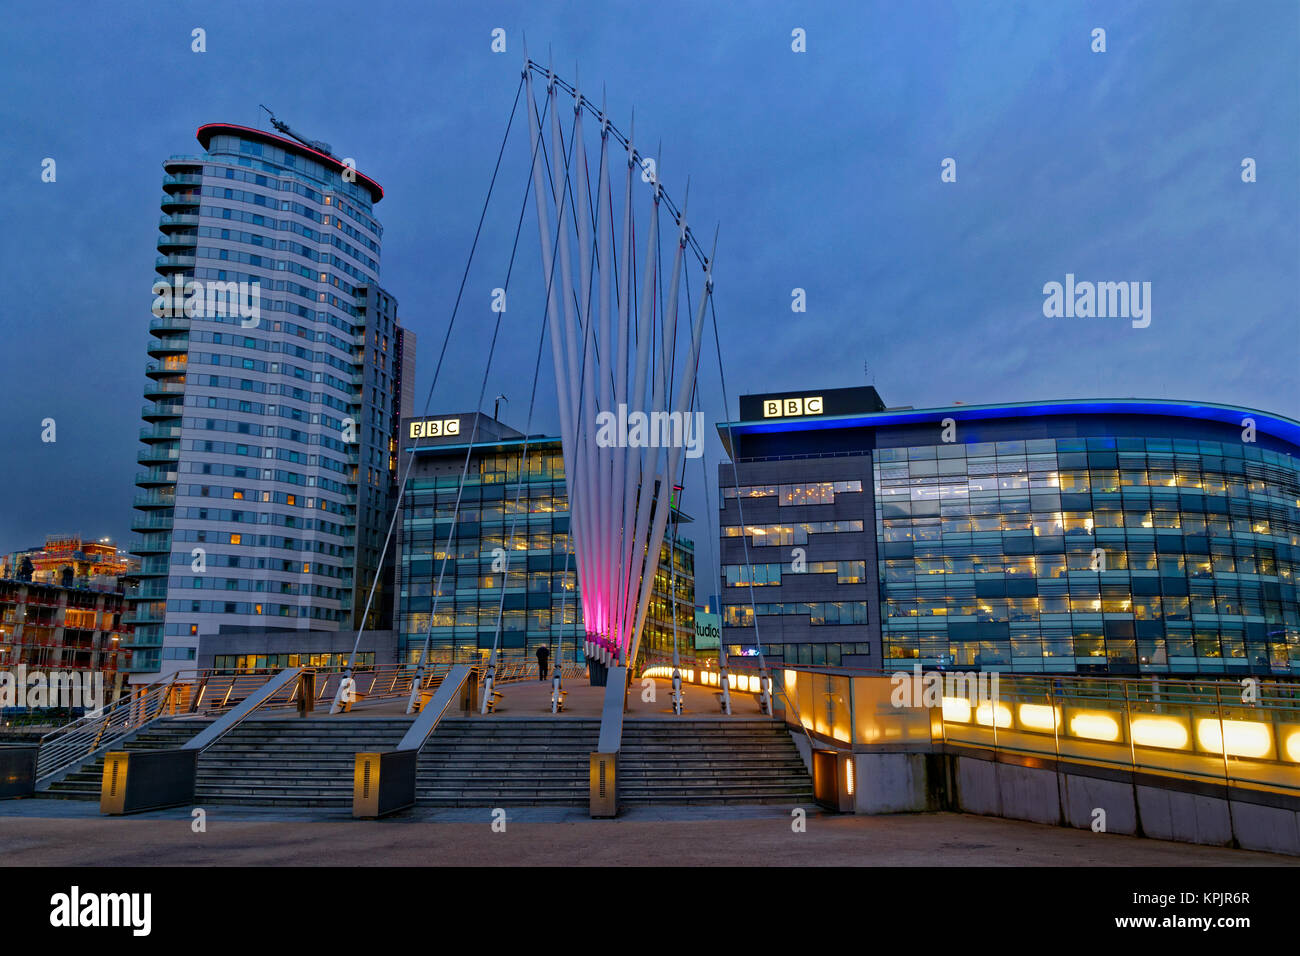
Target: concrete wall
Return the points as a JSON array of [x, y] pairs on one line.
[[915, 782], [896, 783]]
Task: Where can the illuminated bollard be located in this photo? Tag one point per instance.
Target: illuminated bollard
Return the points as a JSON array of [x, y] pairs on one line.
[[678, 702], [557, 690]]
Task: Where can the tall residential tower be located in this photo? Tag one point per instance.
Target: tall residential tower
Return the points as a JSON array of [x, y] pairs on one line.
[[276, 383]]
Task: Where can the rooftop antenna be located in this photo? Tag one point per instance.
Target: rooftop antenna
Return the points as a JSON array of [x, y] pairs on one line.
[[288, 130]]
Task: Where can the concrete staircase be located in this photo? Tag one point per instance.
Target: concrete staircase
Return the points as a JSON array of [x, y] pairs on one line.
[[507, 763], [84, 782], [262, 762], [711, 761], [296, 762]]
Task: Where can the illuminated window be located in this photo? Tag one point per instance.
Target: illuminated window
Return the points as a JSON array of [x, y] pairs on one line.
[[237, 494], [236, 538]]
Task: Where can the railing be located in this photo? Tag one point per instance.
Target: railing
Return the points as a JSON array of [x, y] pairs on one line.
[[743, 675], [603, 763], [515, 670], [1240, 736], [385, 682], [384, 782], [210, 693], [284, 688], [74, 742]]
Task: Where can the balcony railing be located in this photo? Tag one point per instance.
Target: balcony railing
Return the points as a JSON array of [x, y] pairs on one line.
[[160, 432], [157, 410], [171, 345], [151, 544], [153, 499], [155, 477], [178, 239], [181, 219], [178, 323], [149, 455], [143, 615], [151, 522]]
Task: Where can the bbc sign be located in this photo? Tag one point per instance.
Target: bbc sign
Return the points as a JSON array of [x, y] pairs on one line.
[[435, 428], [792, 407]]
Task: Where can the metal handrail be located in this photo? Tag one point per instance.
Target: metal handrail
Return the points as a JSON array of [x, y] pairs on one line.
[[212, 692], [384, 682], [74, 742], [611, 715], [427, 721], [287, 683], [693, 664], [197, 693], [516, 671]]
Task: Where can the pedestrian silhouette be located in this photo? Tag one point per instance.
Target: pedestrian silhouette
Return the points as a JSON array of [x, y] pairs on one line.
[[543, 656]]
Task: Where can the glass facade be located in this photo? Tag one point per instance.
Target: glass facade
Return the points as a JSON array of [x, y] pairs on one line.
[[1142, 555], [1118, 537], [540, 605]]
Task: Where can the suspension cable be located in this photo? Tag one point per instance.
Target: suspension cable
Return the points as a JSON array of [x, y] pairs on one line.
[[469, 449], [437, 369], [523, 463]]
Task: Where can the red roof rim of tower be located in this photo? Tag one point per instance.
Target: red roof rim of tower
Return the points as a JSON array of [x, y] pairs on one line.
[[208, 130]]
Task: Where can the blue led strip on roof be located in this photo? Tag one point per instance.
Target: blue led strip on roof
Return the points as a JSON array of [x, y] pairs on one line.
[[1285, 428]]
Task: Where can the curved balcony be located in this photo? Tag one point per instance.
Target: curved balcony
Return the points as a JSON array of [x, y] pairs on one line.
[[154, 499], [156, 412], [141, 614], [168, 264], [155, 477], [182, 179], [158, 455], [164, 389], [176, 344], [151, 522], [180, 201], [177, 240], [151, 544], [160, 370], [179, 220], [160, 433], [182, 161], [169, 323]]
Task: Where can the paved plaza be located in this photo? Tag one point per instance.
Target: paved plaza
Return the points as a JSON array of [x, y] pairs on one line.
[[44, 832]]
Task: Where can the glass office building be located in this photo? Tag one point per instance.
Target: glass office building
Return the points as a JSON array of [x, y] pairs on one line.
[[476, 525], [275, 385], [1113, 537]]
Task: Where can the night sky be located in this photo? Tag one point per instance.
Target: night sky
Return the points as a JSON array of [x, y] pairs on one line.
[[821, 168]]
